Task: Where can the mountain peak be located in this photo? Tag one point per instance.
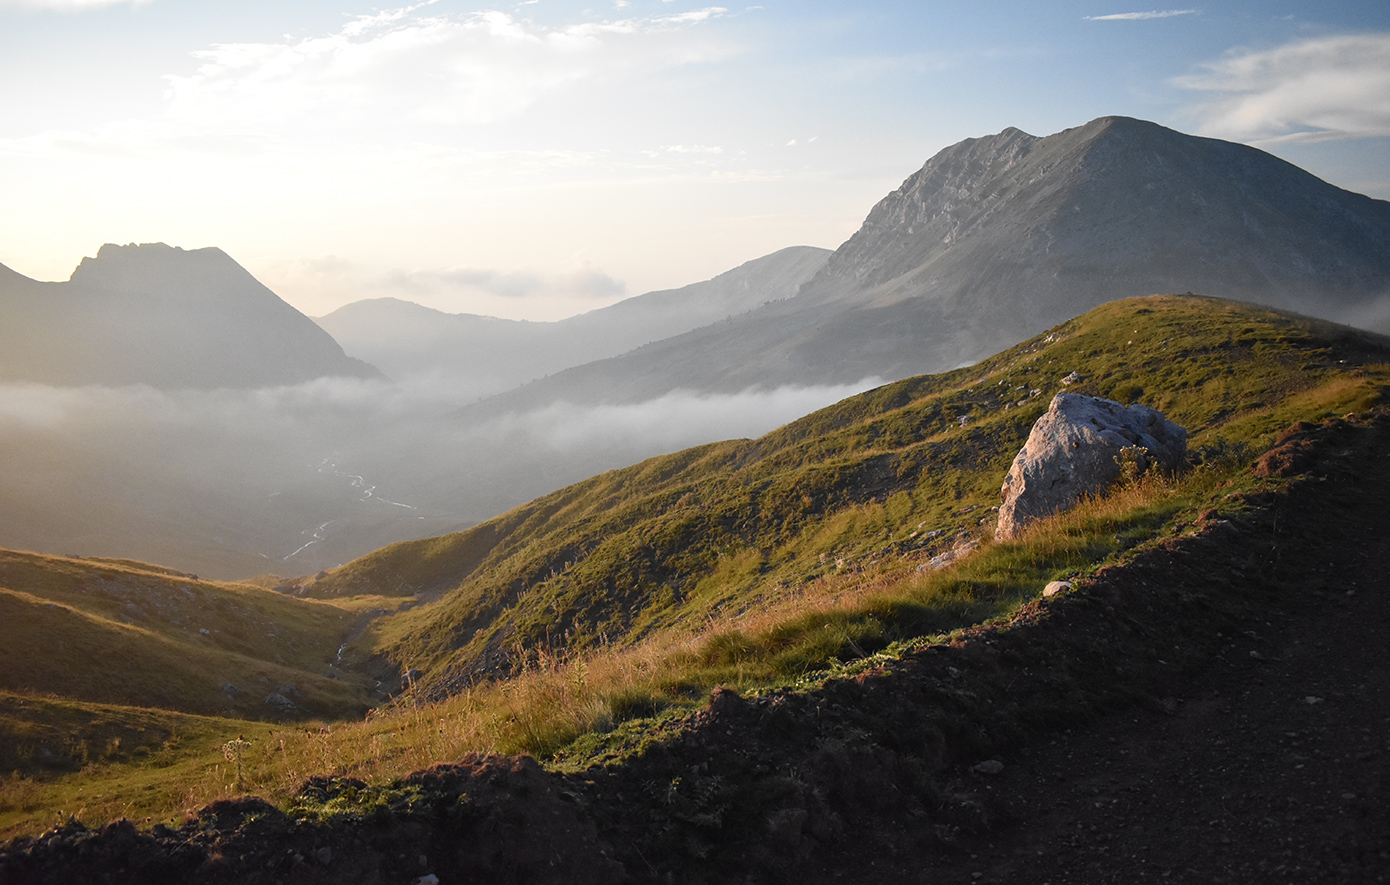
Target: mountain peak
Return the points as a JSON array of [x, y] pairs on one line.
[[153, 267], [158, 314]]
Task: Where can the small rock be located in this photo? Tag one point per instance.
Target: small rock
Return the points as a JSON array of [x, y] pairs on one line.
[[279, 702], [1311, 699], [1055, 587], [427, 879], [1071, 378], [325, 855], [989, 766]]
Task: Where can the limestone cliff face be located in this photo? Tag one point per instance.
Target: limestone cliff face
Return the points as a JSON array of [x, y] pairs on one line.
[[158, 315]]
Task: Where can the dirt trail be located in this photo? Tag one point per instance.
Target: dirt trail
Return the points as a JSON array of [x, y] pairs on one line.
[[1272, 766]]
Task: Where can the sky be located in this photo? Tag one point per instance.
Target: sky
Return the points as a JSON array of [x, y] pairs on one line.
[[539, 159]]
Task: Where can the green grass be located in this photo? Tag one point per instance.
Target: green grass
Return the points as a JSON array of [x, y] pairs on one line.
[[124, 633], [580, 626], [675, 541]]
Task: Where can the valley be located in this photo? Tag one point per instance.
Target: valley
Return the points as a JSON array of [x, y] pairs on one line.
[[704, 585]]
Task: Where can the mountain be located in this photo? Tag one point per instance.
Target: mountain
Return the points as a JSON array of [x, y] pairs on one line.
[[482, 355], [158, 315], [996, 238]]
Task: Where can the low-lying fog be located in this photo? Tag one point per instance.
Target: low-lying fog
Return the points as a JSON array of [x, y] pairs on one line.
[[291, 480]]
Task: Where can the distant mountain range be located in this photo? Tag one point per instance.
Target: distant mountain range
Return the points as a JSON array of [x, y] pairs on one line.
[[480, 355], [158, 315], [997, 238]]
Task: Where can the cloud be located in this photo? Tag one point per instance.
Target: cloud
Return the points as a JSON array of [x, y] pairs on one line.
[[406, 66], [671, 422], [693, 149], [575, 286], [68, 5], [1138, 16], [1310, 90], [583, 280]]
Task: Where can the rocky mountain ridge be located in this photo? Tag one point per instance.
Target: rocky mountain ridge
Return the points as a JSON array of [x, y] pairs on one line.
[[996, 238]]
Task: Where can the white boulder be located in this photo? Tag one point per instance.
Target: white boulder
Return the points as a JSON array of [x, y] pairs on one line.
[[1074, 450]]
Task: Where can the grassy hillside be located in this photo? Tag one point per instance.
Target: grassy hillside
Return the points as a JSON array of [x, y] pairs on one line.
[[117, 632], [882, 481]]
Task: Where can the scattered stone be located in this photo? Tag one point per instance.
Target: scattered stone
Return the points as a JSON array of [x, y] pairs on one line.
[[950, 557], [1055, 587], [324, 855], [1074, 449], [1072, 378], [279, 703], [427, 879], [989, 766]]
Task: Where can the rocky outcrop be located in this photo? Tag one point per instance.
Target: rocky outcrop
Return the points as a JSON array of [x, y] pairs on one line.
[[1079, 447]]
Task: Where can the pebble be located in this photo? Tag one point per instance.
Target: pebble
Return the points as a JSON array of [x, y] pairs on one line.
[[989, 766]]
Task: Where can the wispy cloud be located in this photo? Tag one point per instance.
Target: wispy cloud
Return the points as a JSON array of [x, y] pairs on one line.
[[1309, 90], [583, 280], [573, 287], [406, 66], [693, 149], [1138, 16], [68, 5]]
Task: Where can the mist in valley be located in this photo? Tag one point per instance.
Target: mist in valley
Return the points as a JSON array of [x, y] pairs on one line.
[[294, 479]]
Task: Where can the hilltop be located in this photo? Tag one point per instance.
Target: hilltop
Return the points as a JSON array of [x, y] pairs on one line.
[[904, 473]]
